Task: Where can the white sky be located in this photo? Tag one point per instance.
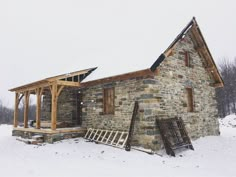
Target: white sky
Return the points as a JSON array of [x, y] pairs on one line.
[[39, 39]]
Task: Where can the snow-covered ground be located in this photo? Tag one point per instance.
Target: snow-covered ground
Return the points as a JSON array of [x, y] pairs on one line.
[[213, 156]]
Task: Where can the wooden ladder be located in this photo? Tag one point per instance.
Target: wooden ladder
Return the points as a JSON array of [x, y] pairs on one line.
[[108, 137], [174, 135], [114, 138]]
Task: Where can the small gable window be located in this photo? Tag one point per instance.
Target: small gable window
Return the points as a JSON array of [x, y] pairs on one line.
[[190, 104], [187, 59], [109, 100]]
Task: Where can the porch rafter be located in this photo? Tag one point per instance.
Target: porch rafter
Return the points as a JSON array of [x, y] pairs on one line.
[[53, 84]]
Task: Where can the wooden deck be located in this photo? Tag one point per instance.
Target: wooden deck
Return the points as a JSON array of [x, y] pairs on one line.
[[50, 131]]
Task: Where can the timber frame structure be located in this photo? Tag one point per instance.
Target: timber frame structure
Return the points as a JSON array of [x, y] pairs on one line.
[[55, 85], [162, 90]]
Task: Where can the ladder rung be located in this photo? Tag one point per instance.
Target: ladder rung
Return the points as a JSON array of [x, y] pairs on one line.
[[109, 137]]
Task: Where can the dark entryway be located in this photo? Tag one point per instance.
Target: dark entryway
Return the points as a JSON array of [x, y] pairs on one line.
[[77, 112]]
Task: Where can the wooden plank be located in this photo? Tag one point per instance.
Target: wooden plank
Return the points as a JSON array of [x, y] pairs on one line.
[[109, 137], [109, 100], [131, 128], [104, 136], [120, 139], [94, 134], [54, 106], [190, 99], [91, 134], [26, 108], [39, 92], [88, 132], [71, 74], [32, 87], [203, 51], [141, 73], [68, 83], [114, 138], [99, 135], [217, 85], [16, 111], [169, 52], [49, 131], [60, 88]]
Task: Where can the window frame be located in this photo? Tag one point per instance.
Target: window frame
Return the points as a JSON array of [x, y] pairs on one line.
[[107, 110], [187, 59], [190, 99]]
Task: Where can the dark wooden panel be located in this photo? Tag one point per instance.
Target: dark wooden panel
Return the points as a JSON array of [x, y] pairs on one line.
[[109, 100], [190, 99]]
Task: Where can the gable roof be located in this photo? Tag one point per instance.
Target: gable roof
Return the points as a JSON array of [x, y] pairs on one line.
[[200, 46]]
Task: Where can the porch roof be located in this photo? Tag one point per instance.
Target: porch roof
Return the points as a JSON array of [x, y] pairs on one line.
[[72, 79]]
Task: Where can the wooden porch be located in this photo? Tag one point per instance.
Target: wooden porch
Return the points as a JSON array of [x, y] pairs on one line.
[[49, 131], [54, 85]]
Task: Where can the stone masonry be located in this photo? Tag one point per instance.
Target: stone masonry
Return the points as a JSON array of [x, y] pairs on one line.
[[162, 95], [67, 106]]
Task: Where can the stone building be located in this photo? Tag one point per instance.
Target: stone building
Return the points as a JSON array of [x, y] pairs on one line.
[[180, 83]]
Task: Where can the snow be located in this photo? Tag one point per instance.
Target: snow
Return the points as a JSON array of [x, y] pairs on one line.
[[213, 156]]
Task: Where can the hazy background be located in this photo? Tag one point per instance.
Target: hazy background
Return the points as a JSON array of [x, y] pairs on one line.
[[39, 39]]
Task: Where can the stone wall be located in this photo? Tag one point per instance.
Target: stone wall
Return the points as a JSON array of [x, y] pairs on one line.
[[162, 95], [67, 106], [126, 93]]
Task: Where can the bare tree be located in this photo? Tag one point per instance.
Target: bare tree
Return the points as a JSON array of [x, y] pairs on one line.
[[226, 96], [6, 114]]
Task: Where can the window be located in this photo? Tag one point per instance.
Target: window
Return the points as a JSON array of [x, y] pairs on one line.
[[109, 100], [187, 59], [190, 104]]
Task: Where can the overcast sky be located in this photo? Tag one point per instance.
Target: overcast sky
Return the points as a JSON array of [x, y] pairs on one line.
[[39, 39]]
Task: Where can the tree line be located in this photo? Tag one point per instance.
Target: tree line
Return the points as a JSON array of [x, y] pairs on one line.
[[226, 96], [7, 114]]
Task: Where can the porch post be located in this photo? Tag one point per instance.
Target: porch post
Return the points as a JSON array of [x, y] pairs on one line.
[[26, 108], [16, 111], [54, 106], [39, 92]]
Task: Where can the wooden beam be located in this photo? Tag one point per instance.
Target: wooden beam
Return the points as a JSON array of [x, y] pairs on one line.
[[26, 108], [33, 87], [59, 89], [216, 85], [39, 92], [141, 73], [68, 83], [54, 106], [170, 51], [200, 48], [22, 95], [16, 111], [211, 68], [49, 131]]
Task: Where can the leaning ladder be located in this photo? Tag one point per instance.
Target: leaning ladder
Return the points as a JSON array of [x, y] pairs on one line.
[[174, 135], [108, 137]]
